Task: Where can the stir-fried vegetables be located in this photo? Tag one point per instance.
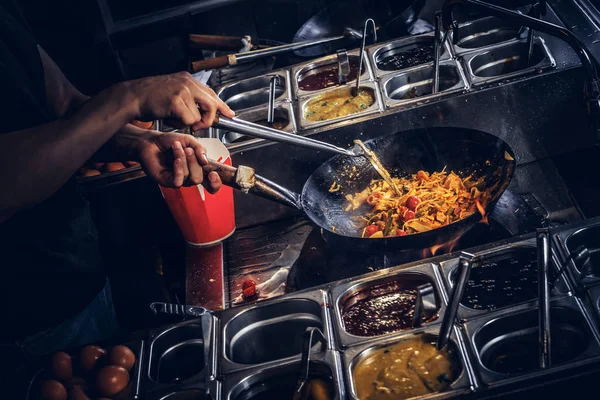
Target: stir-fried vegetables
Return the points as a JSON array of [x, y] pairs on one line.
[[429, 201]]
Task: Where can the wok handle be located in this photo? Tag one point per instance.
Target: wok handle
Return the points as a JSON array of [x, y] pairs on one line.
[[245, 180], [216, 42], [213, 63]]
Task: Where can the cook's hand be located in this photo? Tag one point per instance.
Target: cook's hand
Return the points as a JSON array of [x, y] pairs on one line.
[[175, 159], [178, 97]]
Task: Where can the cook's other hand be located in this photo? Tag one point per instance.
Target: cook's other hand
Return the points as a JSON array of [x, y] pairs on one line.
[[175, 160], [177, 96]]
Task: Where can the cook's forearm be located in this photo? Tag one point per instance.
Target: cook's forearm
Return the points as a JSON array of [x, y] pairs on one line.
[[42, 159]]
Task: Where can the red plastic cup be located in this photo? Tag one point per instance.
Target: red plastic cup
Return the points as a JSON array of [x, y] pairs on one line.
[[204, 219]]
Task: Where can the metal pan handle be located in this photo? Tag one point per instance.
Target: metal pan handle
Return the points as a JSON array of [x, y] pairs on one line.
[[244, 179]]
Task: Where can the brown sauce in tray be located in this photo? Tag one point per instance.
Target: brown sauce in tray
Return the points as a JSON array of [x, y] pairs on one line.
[[278, 123], [327, 77], [385, 309], [403, 370], [407, 59]]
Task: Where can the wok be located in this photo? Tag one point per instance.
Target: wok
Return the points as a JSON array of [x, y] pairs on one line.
[[463, 151], [394, 19]]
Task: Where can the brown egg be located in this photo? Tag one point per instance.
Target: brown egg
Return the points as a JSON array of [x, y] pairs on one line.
[[90, 172], [53, 390], [111, 380], [78, 393], [89, 356], [75, 381], [123, 356], [143, 124], [61, 366], [113, 166]]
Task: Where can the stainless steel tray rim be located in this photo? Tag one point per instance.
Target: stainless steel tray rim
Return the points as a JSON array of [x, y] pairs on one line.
[[590, 354], [547, 62], [295, 72], [462, 383], [406, 41], [372, 109], [392, 103]]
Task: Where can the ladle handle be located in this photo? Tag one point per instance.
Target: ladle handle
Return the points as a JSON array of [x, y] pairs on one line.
[[543, 248], [243, 178], [259, 131], [213, 63], [307, 344], [216, 42], [464, 269]]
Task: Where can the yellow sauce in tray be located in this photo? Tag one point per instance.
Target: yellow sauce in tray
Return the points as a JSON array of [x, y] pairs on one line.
[[406, 369], [339, 103]]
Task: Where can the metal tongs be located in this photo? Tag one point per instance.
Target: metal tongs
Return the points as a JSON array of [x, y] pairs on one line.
[[465, 263], [310, 334], [362, 51], [259, 131]]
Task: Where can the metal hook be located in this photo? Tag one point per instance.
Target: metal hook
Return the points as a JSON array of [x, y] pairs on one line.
[[362, 50], [309, 334]]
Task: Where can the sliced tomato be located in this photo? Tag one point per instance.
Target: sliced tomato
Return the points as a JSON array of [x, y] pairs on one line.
[[400, 232], [370, 230], [248, 283], [408, 215], [412, 202], [249, 292]]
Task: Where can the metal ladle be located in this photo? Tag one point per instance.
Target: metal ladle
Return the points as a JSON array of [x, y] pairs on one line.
[[273, 81], [465, 263], [343, 66], [543, 250], [362, 51], [425, 306], [307, 345]]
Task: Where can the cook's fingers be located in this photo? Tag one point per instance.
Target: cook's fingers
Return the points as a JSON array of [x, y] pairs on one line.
[[180, 110], [213, 183], [199, 150], [177, 173], [221, 106], [190, 103], [196, 175], [208, 110], [178, 153]]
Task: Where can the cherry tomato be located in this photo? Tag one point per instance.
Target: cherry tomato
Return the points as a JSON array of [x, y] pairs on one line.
[[409, 215], [249, 292], [248, 283], [400, 232], [371, 229], [412, 202]]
